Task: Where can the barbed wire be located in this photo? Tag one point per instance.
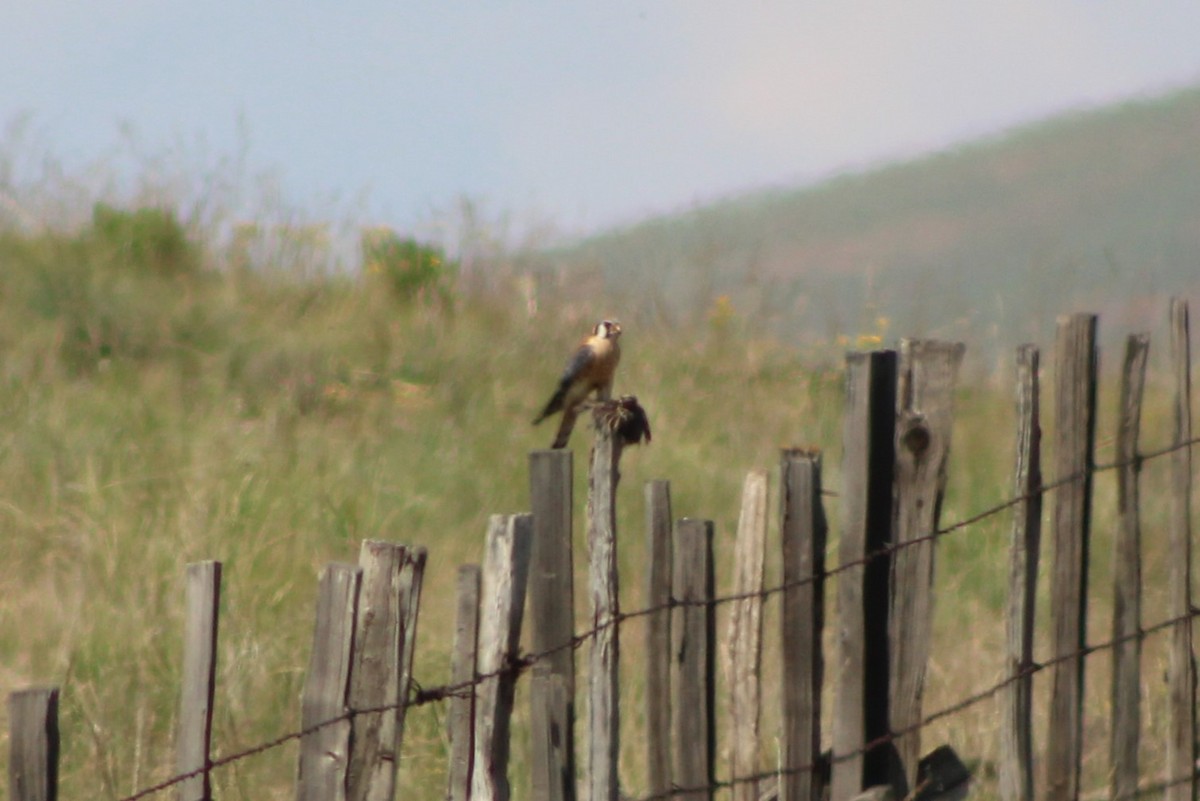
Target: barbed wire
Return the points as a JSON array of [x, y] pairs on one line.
[[945, 712], [518, 665]]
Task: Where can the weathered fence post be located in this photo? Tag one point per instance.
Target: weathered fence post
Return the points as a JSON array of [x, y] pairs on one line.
[[658, 636], [33, 744], [868, 471], [803, 533], [744, 635], [325, 751], [460, 716], [551, 619], [199, 680], [1074, 443], [1127, 578], [502, 602], [1181, 666], [1016, 732], [412, 579], [692, 661], [924, 421], [603, 684], [384, 641]]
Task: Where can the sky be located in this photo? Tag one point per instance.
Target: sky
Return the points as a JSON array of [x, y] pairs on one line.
[[582, 115]]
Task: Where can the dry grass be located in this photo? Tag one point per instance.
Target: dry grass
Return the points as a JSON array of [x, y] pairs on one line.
[[272, 424]]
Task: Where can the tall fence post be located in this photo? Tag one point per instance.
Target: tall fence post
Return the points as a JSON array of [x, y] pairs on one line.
[[860, 713], [658, 636], [325, 751], [384, 641], [33, 744], [744, 635], [1181, 666], [924, 420], [692, 661], [460, 717], [803, 533], [199, 680], [1016, 732], [502, 602], [551, 619], [604, 711], [1075, 433], [412, 579], [1127, 578]]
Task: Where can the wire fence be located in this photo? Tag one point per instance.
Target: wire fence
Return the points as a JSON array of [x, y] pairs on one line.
[[421, 696]]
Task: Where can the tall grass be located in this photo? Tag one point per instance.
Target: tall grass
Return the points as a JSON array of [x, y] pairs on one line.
[[163, 404]]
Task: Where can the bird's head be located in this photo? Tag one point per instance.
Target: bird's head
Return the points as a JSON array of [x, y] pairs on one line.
[[607, 329]]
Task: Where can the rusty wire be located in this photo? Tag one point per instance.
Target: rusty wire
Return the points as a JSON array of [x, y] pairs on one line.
[[522, 663]]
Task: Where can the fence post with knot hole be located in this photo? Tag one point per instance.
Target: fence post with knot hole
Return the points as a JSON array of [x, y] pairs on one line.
[[925, 385]]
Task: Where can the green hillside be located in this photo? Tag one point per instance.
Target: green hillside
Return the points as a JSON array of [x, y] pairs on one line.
[[1097, 210]]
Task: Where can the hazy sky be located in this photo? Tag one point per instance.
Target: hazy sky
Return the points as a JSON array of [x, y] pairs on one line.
[[585, 113]]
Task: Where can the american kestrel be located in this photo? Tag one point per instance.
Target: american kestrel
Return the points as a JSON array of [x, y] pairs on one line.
[[590, 369]]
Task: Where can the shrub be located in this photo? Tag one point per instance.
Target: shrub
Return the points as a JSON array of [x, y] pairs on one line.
[[409, 269], [146, 240]]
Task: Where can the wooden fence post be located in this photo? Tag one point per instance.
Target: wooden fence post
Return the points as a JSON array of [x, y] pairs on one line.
[[868, 472], [460, 717], [412, 579], [384, 641], [551, 619], [658, 636], [199, 680], [1127, 578], [692, 663], [325, 752], [924, 421], [1016, 732], [1181, 666], [1074, 443], [33, 744], [803, 533], [744, 635], [502, 602], [604, 712]]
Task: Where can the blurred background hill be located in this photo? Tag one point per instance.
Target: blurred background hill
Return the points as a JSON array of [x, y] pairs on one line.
[[1096, 210]]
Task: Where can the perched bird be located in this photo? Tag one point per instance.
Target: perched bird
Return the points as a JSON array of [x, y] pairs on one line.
[[626, 418], [590, 370]]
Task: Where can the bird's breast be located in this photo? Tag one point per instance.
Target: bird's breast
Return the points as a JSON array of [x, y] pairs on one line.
[[607, 354]]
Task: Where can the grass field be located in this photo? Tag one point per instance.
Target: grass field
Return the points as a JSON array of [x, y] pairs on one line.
[[165, 408]]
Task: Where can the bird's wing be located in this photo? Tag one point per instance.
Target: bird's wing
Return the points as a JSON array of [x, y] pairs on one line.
[[579, 364]]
